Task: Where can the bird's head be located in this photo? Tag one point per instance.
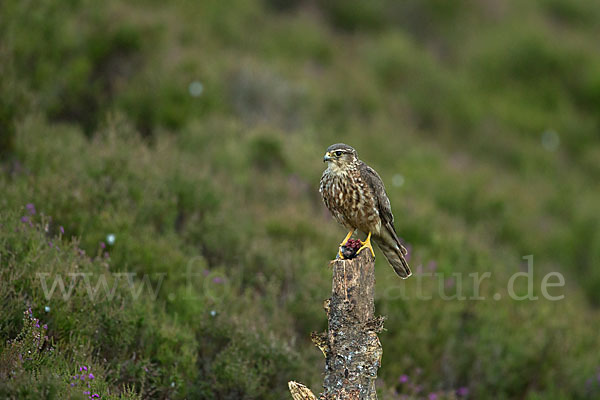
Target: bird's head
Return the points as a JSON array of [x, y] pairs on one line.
[[340, 156]]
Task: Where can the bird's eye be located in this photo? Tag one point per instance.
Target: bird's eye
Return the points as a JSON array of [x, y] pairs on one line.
[[338, 153]]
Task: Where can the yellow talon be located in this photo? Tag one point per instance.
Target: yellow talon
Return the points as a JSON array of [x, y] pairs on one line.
[[366, 245], [348, 236]]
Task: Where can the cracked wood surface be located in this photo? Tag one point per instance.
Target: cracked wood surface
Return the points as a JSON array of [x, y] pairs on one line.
[[351, 347]]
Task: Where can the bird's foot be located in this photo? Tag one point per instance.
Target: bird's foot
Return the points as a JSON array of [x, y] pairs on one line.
[[343, 244], [348, 236], [366, 245]]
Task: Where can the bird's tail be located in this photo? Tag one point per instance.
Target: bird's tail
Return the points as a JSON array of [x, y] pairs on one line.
[[395, 255]]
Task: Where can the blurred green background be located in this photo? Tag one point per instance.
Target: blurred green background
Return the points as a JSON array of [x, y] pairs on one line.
[[194, 133]]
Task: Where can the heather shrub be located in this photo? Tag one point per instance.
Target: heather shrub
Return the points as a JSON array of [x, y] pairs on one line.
[[159, 211]]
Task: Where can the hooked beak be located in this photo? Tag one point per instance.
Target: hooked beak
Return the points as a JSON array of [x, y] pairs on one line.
[[327, 157]]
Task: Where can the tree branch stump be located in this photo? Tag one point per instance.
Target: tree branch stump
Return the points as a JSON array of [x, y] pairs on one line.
[[351, 347]]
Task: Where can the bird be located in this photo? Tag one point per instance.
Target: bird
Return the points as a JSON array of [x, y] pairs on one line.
[[355, 195]]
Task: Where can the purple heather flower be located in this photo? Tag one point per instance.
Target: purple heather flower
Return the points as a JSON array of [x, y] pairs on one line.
[[403, 378], [432, 265], [102, 245], [31, 208], [72, 385], [50, 244], [86, 392], [95, 396], [462, 391], [91, 376], [45, 326], [24, 219], [217, 279], [61, 229], [408, 252], [432, 396]]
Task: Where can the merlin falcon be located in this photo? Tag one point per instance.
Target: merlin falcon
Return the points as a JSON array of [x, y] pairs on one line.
[[354, 194]]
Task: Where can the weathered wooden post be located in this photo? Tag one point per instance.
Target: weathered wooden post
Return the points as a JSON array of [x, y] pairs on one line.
[[351, 347]]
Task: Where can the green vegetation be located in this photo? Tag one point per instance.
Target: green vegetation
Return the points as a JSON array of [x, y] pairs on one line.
[[194, 132]]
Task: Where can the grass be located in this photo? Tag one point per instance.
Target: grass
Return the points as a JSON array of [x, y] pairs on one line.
[[481, 119]]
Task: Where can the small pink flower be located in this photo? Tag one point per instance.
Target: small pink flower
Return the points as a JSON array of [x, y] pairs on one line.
[[432, 265], [61, 229], [91, 376], [403, 378], [408, 252]]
